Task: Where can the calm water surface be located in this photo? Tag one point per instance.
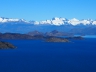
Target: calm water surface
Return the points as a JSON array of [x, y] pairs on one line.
[[39, 56]]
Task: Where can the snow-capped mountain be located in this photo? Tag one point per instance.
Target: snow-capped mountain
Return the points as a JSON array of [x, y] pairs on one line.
[[54, 21], [74, 26], [64, 21], [6, 20]]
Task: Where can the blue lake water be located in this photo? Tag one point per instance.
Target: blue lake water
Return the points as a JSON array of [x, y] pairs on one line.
[[39, 56], [89, 36]]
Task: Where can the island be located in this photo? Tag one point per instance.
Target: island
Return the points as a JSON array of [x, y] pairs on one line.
[[6, 45], [56, 39]]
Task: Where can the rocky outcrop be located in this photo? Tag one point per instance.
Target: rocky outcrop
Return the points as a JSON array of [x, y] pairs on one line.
[[56, 39], [6, 45]]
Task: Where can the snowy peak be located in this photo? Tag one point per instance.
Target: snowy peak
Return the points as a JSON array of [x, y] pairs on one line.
[[64, 21], [74, 21], [54, 21], [4, 20], [56, 18]]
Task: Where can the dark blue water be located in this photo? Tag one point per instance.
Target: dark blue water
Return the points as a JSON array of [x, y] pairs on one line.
[[38, 56]]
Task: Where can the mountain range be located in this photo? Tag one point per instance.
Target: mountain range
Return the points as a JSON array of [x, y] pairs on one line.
[[72, 26], [54, 21]]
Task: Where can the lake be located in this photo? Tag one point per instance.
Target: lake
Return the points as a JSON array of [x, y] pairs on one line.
[[39, 56]]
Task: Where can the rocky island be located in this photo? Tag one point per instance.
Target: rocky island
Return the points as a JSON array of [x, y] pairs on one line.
[[6, 45], [56, 39]]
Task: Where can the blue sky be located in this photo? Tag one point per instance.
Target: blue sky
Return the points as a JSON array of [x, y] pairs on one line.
[[46, 9]]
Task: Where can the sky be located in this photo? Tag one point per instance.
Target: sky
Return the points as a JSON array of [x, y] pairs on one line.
[[47, 9]]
